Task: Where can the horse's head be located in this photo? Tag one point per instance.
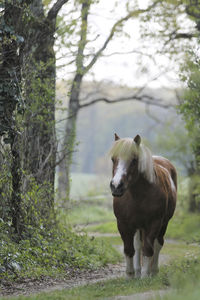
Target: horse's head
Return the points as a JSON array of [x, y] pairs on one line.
[[125, 158]]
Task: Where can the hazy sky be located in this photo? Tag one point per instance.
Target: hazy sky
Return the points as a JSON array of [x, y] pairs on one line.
[[128, 69]]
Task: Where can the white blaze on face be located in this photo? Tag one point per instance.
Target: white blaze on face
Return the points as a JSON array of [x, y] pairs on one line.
[[120, 171]]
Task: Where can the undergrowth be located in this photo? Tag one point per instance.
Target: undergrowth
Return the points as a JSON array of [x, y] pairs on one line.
[[182, 276], [52, 253]]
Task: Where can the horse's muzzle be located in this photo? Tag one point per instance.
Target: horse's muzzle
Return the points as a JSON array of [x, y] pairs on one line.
[[117, 191]]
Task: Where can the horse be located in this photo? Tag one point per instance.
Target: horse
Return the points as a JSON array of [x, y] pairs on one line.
[[144, 189]]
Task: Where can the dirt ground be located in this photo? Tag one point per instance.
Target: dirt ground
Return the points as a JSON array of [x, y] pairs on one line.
[[77, 278], [28, 286]]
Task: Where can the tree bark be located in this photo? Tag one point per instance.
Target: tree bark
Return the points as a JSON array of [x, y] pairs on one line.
[[39, 137], [69, 141], [10, 98]]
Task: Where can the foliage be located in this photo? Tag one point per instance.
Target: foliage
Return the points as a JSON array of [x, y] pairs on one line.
[[190, 104], [175, 142], [189, 108], [56, 252], [10, 80], [180, 274]]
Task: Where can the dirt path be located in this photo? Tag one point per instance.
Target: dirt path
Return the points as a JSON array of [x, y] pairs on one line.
[[28, 286], [142, 296]]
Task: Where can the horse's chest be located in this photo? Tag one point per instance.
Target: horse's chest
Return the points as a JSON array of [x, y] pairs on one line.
[[135, 211], [127, 208]]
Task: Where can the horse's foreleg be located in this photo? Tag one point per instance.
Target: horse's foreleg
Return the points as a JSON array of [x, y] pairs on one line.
[[128, 252], [157, 248], [146, 266], [137, 256], [151, 249], [127, 238], [148, 251]]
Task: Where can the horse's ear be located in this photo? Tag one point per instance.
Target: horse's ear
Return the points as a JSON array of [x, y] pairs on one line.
[[117, 137], [137, 139]]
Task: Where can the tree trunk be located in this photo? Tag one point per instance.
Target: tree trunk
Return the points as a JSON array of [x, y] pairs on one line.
[[16, 200], [69, 141], [39, 138], [10, 98]]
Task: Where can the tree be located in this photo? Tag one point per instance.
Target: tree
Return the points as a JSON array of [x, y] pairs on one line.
[[190, 109], [82, 68], [10, 99], [178, 38], [28, 69]]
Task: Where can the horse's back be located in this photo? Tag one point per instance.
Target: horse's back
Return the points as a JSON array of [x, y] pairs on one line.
[[165, 163], [166, 166]]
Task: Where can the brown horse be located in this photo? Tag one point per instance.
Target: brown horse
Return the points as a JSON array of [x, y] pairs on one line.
[[144, 188]]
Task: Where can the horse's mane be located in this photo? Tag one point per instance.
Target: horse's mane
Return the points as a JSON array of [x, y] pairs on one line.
[[127, 149]]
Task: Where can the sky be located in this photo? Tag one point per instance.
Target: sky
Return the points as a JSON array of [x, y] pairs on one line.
[[131, 69]]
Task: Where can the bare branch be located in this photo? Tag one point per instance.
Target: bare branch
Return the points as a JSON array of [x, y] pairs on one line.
[[132, 14], [180, 35], [134, 51], [146, 99], [52, 14], [152, 116]]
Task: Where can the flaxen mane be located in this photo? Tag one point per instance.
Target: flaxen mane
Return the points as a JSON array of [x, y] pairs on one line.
[[126, 149]]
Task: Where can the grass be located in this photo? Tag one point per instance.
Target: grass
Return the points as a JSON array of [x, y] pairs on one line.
[[84, 214], [184, 269], [183, 275], [107, 227], [184, 227], [101, 290], [183, 272], [83, 184]]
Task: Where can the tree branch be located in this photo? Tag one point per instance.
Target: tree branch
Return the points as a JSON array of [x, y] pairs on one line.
[[52, 14], [132, 14], [146, 99]]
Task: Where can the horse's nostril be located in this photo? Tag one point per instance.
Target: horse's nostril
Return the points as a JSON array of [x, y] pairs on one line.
[[120, 185], [111, 185]]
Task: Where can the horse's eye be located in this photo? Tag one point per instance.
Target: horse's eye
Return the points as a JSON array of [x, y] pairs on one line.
[[134, 161]]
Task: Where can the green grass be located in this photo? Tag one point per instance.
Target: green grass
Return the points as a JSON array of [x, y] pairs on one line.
[[185, 227], [180, 275], [102, 289], [83, 184], [84, 213], [113, 240], [107, 227]]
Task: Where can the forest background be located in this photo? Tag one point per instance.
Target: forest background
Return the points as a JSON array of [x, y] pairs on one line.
[[73, 73]]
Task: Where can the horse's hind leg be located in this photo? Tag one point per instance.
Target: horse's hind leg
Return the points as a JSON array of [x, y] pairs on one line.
[[137, 255], [158, 243]]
